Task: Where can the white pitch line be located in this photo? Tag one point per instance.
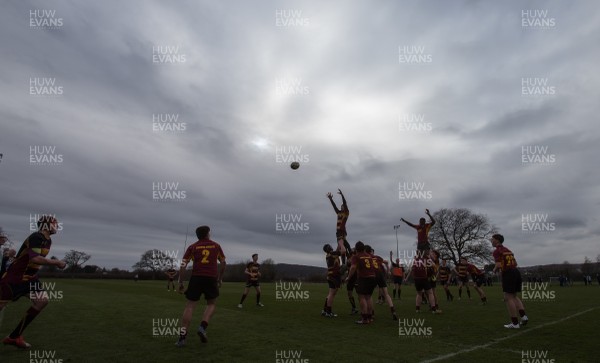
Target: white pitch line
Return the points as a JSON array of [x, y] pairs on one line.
[[446, 356]]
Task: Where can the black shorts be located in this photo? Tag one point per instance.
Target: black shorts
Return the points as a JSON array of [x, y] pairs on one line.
[[398, 280], [341, 233], [422, 284], [199, 285], [366, 285], [463, 279], [13, 292], [351, 284], [444, 282], [432, 284], [252, 283], [170, 279], [479, 280], [334, 282], [511, 281], [381, 280]]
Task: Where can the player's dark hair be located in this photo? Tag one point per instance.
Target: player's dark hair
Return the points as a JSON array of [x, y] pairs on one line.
[[498, 237], [256, 254], [327, 247], [202, 232], [359, 246], [368, 249], [44, 222]]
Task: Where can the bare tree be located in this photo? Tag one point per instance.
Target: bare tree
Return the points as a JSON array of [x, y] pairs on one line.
[[155, 261], [75, 259], [462, 233]]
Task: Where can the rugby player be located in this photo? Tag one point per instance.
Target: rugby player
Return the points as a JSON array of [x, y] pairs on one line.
[[461, 271], [365, 268], [444, 278], [252, 274], [421, 264], [340, 230], [423, 229], [478, 278], [381, 275], [397, 275], [171, 273], [334, 278]]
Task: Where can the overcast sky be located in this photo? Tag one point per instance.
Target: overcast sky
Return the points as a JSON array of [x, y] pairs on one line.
[[491, 106]]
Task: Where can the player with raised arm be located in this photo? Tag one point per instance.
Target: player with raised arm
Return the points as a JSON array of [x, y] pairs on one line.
[[478, 278], [443, 277], [511, 282], [252, 273], [21, 277], [423, 229], [206, 279], [334, 278], [397, 275], [340, 229]]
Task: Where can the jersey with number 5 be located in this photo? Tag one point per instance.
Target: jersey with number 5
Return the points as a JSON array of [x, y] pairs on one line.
[[205, 254]]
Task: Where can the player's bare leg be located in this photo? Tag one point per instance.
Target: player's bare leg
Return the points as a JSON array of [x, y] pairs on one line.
[[329, 303], [246, 291], [188, 311], [258, 303], [389, 301], [208, 313], [418, 301], [432, 301], [15, 338]]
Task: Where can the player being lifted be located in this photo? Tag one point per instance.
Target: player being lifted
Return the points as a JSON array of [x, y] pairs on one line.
[[478, 278], [252, 274], [423, 229], [443, 277], [340, 230], [334, 278], [171, 273], [511, 281], [21, 277], [206, 279], [397, 275]]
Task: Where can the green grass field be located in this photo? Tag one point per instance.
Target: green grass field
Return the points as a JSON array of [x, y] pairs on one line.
[[112, 321]]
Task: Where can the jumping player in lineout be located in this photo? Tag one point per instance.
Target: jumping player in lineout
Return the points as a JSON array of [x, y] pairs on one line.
[[340, 230], [423, 229]]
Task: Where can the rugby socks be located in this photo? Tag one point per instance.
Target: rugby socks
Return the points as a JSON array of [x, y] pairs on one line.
[[484, 299], [204, 324], [243, 298], [514, 320], [325, 305], [351, 298], [257, 298], [394, 293], [522, 313], [469, 292], [28, 318]]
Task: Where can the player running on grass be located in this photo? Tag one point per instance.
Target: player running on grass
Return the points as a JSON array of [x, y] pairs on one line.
[[21, 278], [334, 278], [478, 278], [511, 282], [252, 274], [206, 279], [340, 228], [423, 229]]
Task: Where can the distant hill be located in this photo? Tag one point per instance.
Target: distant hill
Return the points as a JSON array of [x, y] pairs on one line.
[[286, 271]]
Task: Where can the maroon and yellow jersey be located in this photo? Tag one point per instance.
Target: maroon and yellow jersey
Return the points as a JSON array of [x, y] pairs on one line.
[[473, 270], [380, 263], [205, 254], [423, 233], [444, 273], [253, 268], [342, 218], [505, 257], [333, 264], [461, 269], [22, 269], [366, 265], [421, 267]]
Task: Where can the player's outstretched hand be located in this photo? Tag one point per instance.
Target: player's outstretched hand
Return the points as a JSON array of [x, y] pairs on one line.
[[340, 192], [329, 195], [61, 264], [427, 211]]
